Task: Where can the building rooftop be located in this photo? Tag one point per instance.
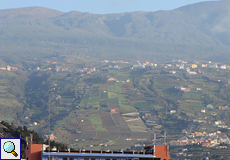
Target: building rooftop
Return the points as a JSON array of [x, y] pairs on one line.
[[154, 152], [88, 153]]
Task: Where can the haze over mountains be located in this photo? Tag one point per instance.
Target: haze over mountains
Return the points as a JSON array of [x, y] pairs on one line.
[[194, 31]]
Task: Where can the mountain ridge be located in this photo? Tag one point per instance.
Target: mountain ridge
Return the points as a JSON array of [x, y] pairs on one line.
[[201, 25]]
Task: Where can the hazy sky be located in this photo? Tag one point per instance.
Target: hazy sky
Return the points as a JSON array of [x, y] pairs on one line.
[[100, 6]]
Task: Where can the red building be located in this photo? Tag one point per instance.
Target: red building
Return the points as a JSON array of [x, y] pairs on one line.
[[33, 152], [153, 152], [112, 110]]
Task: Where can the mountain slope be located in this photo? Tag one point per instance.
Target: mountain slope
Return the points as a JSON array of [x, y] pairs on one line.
[[201, 28], [191, 24]]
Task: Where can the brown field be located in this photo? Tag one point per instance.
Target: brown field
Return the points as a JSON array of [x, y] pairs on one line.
[[114, 106], [105, 86], [106, 119], [111, 83], [118, 119]]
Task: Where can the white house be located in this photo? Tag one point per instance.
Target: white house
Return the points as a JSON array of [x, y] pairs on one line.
[[202, 111]]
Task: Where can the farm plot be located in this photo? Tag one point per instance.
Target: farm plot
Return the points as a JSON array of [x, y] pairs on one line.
[[93, 101], [103, 94], [96, 86], [190, 108], [3, 89], [141, 136], [113, 101], [122, 77], [94, 98], [142, 105], [97, 122], [121, 124], [130, 116], [137, 125], [94, 92], [114, 106], [9, 102], [103, 102], [117, 118], [192, 96], [84, 102], [105, 86], [124, 106], [114, 130], [106, 119], [112, 95], [117, 89], [88, 129], [104, 135]]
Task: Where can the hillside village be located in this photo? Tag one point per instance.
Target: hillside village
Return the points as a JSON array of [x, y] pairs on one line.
[[140, 101]]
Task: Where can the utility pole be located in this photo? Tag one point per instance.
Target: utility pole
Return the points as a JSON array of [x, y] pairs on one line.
[[31, 138], [26, 141], [165, 137], [49, 130], [166, 112], [49, 126], [155, 138]]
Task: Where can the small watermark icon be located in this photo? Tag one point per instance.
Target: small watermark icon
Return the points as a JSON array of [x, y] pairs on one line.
[[10, 149]]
